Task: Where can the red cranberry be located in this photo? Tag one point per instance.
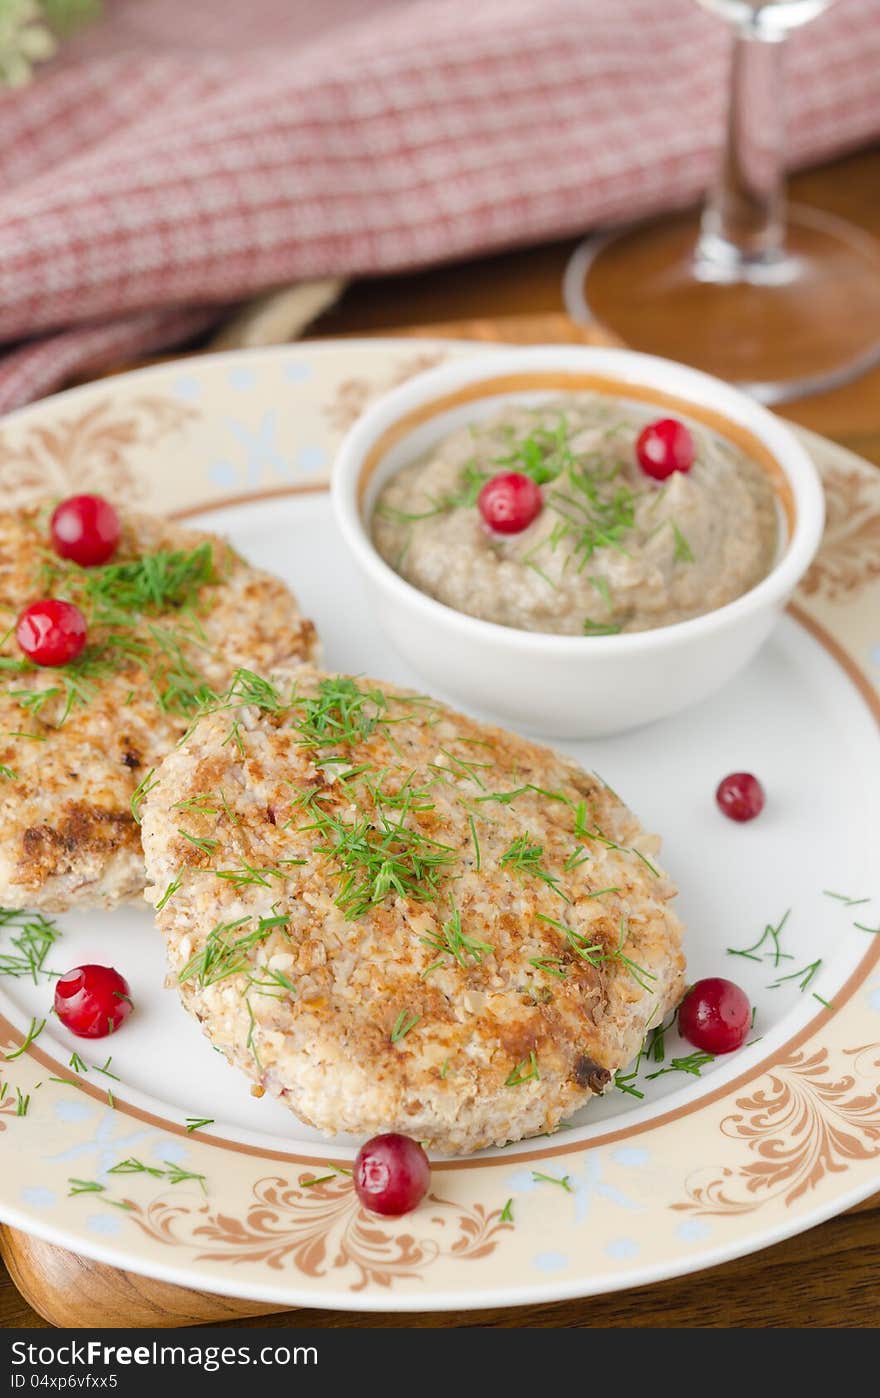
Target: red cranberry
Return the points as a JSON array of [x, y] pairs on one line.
[[665, 446], [509, 502], [85, 529], [715, 1015], [92, 1001], [740, 796], [51, 632], [391, 1174]]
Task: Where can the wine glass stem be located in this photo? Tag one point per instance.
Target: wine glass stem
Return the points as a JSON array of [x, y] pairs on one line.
[[742, 231]]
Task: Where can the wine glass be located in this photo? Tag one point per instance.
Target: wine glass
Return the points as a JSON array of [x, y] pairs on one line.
[[782, 302]]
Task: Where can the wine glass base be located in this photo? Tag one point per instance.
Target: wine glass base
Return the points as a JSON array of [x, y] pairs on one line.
[[808, 322]]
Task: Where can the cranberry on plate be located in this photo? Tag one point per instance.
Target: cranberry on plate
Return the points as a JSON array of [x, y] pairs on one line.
[[665, 446], [51, 632], [92, 1001], [740, 796], [715, 1015], [509, 502], [85, 529], [392, 1174]]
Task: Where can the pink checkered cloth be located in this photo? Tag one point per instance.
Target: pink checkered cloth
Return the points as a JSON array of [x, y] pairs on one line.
[[180, 156]]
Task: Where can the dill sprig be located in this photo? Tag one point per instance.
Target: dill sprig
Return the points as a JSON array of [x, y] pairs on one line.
[[683, 552], [600, 628], [158, 582], [563, 1181], [803, 977], [595, 953], [118, 601], [379, 856], [402, 1025], [453, 942], [143, 788], [524, 857], [693, 1063], [225, 955], [84, 1187], [33, 1033], [173, 1173], [36, 935], [844, 899], [771, 933], [550, 964], [526, 1071]]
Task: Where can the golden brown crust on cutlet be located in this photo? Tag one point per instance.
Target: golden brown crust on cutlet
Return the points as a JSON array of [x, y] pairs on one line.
[[67, 835]]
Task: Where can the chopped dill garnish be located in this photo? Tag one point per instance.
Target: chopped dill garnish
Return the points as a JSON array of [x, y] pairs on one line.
[[526, 1071], [477, 857], [77, 1064], [317, 1179], [340, 712], [195, 1123], [106, 1070], [249, 876], [204, 845], [639, 974], [223, 954], [872, 931], [578, 856], [604, 591], [600, 628], [36, 935], [173, 1173], [470, 482], [252, 1031], [21, 1102], [625, 1082], [550, 964], [32, 1034], [524, 857], [506, 1215], [776, 954], [84, 1187], [117, 600], [842, 898], [402, 1025], [452, 941], [683, 551], [158, 582], [564, 1181], [693, 1063], [379, 856], [169, 893], [146, 785], [655, 1043], [803, 977], [595, 953]]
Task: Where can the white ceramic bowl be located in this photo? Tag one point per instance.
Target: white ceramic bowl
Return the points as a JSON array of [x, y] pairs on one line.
[[569, 686]]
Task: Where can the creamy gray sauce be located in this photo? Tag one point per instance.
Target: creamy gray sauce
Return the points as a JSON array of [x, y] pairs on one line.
[[611, 551]]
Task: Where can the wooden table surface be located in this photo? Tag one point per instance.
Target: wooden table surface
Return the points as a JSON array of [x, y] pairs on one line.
[[826, 1277]]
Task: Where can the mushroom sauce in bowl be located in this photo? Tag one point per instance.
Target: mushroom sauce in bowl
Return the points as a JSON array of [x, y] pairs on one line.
[[575, 539], [599, 544]]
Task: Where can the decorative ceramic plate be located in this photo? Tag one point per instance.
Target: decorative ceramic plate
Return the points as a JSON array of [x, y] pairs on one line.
[[700, 1168]]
